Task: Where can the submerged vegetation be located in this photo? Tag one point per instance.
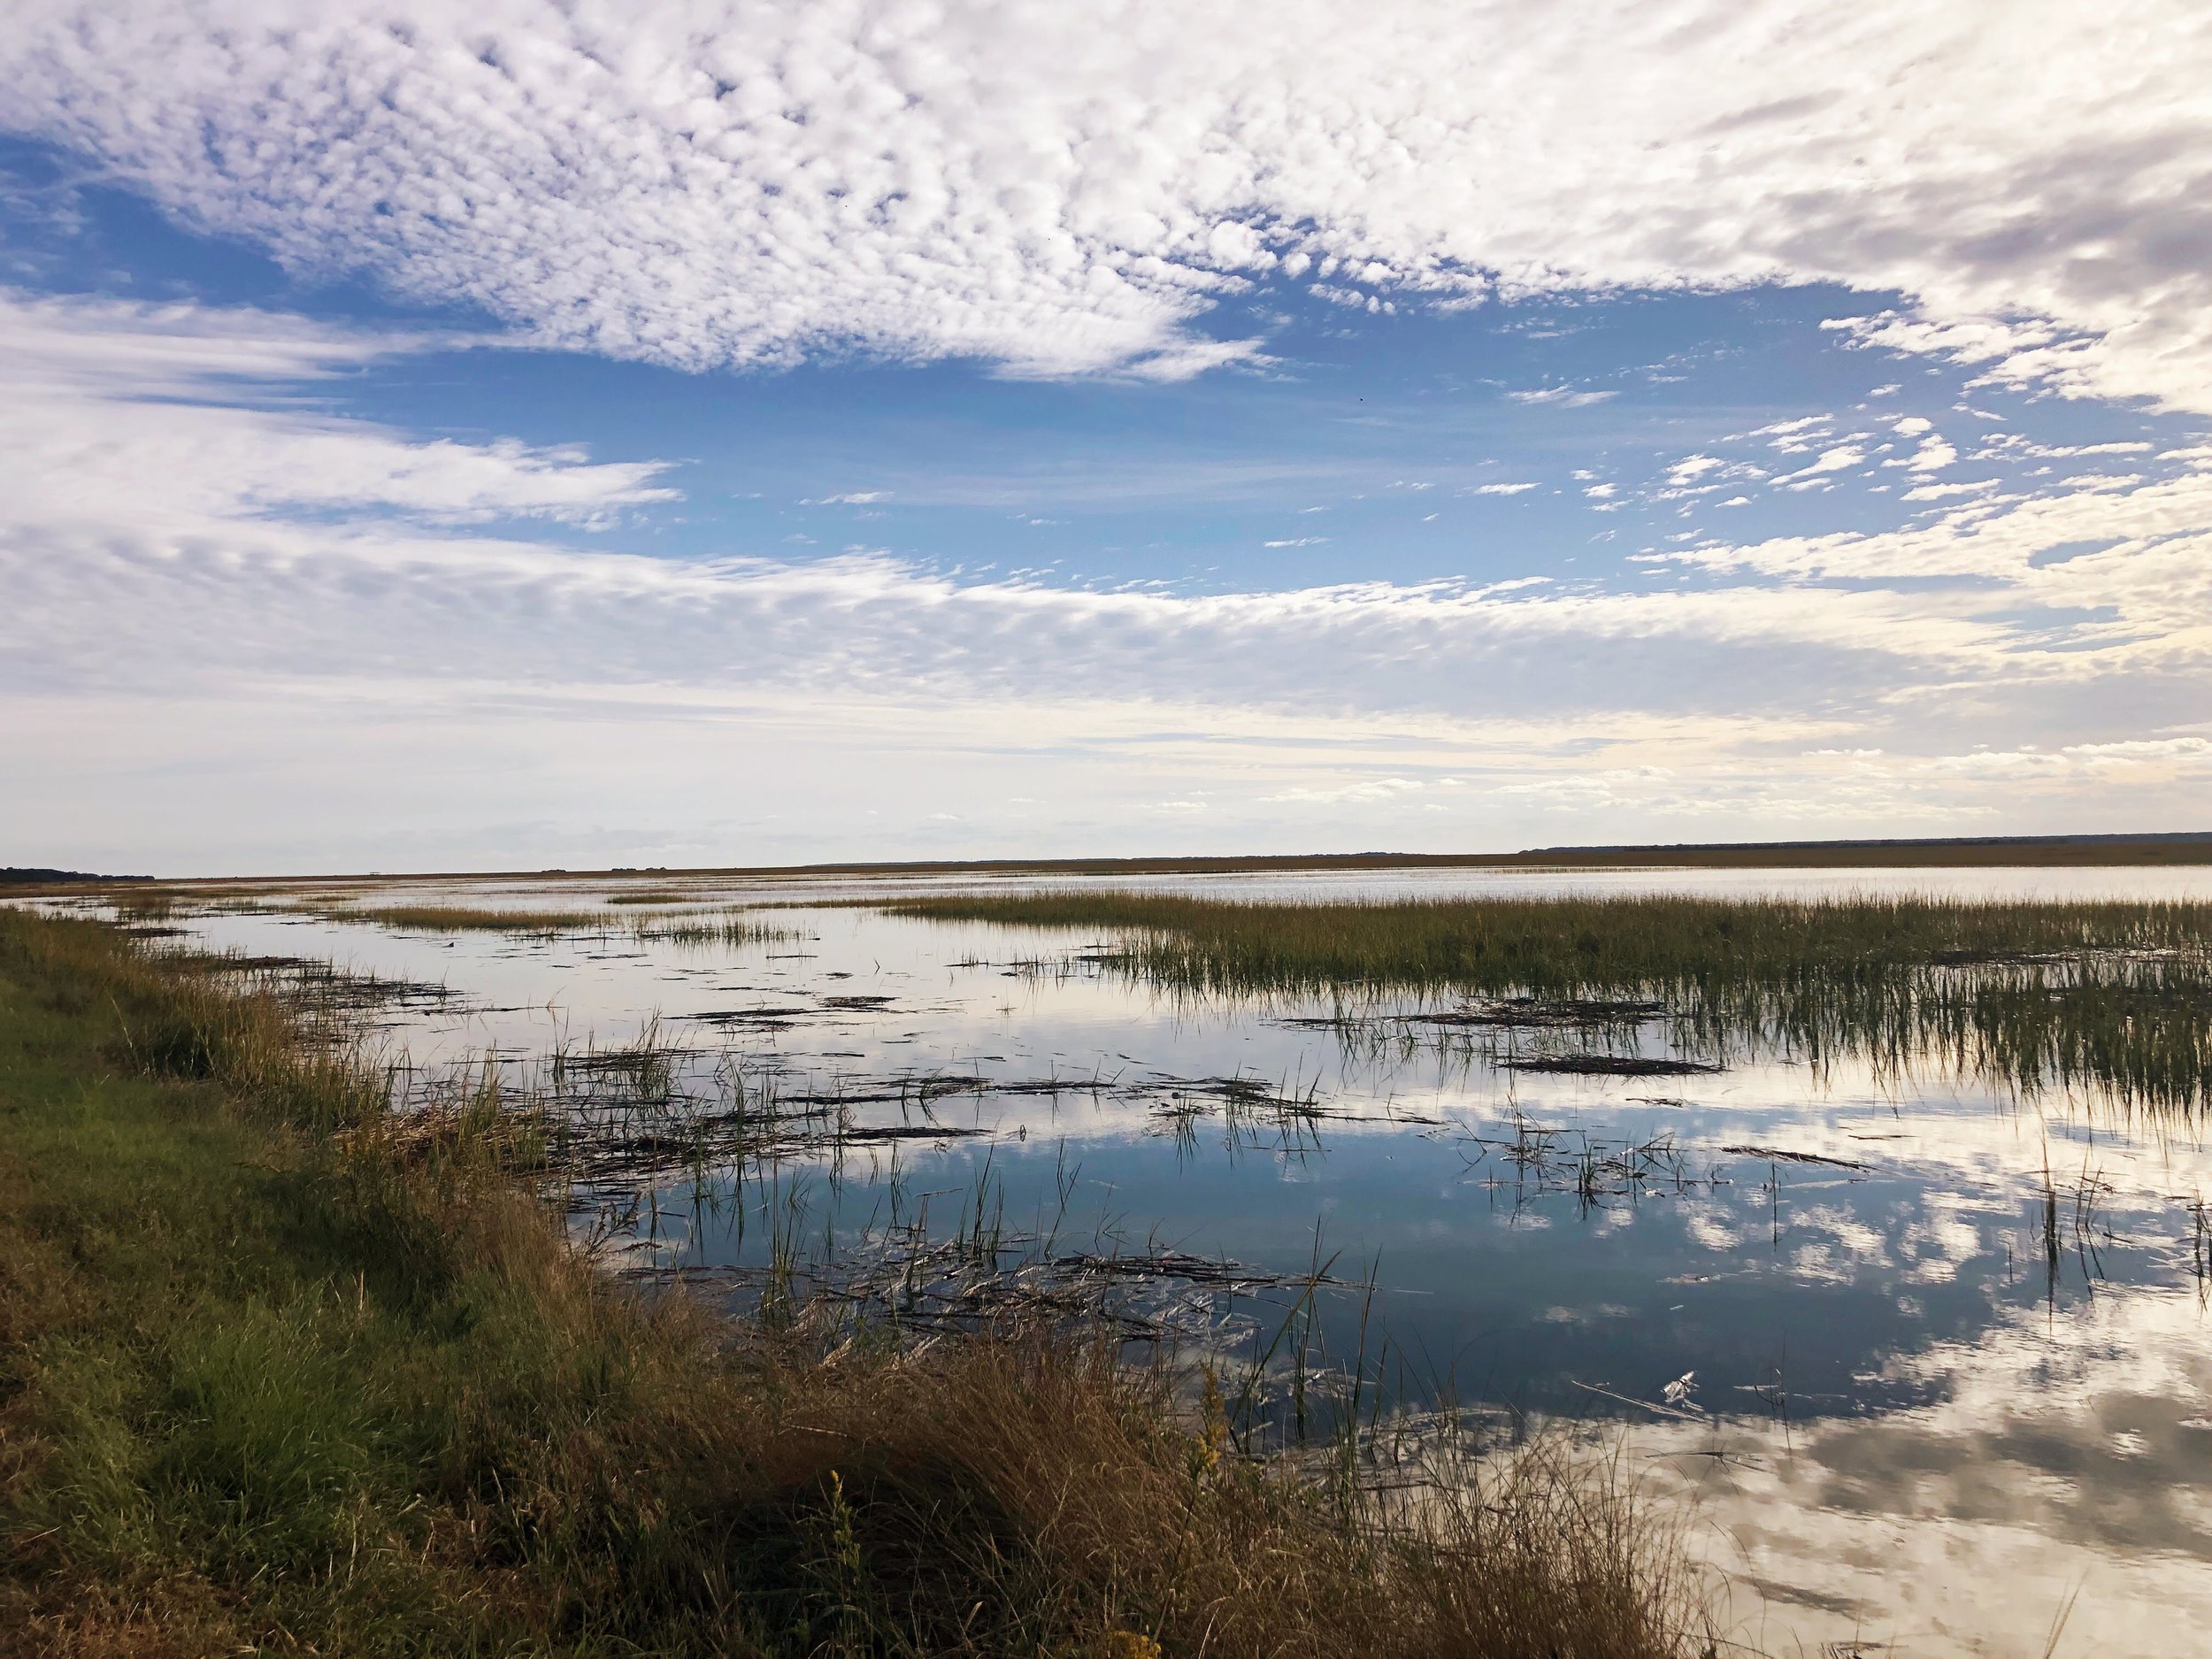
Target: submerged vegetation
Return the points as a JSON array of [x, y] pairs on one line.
[[284, 1367], [2115, 998]]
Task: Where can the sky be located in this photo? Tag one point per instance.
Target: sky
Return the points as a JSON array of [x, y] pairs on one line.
[[521, 436]]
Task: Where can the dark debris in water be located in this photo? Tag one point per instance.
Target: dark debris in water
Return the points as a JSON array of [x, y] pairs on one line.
[[623, 1061], [1243, 1094], [1532, 1013], [1608, 1065], [1778, 1155], [1193, 1270], [767, 1019], [748, 1018], [1504, 1013], [914, 1087], [322, 988]]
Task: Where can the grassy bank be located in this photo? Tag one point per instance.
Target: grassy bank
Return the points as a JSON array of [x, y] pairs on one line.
[[2116, 997], [281, 1372]]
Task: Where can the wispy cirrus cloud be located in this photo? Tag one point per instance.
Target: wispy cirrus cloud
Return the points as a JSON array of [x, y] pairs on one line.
[[169, 417], [1562, 397]]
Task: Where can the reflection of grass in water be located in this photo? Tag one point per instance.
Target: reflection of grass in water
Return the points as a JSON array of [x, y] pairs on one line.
[[2115, 998]]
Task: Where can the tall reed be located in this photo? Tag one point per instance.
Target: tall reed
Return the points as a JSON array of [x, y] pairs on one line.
[[2115, 997]]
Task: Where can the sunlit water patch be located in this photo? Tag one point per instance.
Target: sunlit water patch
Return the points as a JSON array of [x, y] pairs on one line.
[[1931, 1355]]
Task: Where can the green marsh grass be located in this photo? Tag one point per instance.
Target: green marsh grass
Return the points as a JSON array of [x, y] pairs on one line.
[[725, 930], [284, 1370], [2110, 998], [461, 918]]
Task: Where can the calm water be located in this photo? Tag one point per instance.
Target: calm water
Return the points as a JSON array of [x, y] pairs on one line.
[[1946, 1351]]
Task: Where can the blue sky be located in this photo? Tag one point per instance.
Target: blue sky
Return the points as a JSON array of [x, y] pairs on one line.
[[850, 432]]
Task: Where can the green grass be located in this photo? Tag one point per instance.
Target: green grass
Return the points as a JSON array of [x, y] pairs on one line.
[[283, 1373], [2115, 998]]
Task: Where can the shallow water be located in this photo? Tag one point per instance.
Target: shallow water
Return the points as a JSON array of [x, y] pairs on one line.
[[1946, 1350]]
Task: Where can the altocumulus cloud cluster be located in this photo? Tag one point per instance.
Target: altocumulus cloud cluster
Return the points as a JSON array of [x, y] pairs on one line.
[[1055, 191], [1064, 188]]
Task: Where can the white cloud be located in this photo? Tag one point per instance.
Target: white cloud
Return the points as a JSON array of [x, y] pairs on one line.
[[1934, 454], [1562, 396], [1503, 489], [1833, 460], [1367, 791], [216, 593], [92, 430], [2135, 585], [1944, 492], [1066, 188]]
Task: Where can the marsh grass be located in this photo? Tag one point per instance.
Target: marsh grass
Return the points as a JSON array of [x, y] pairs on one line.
[[2113, 998], [697, 930], [460, 919], [732, 931], [729, 927], [287, 1370]]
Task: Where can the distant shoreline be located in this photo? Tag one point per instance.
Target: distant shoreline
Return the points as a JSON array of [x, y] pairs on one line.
[[1984, 851]]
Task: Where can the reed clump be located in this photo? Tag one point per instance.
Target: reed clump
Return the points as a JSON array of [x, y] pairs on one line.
[[731, 929], [1570, 947], [2115, 997], [288, 1370], [462, 918]]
